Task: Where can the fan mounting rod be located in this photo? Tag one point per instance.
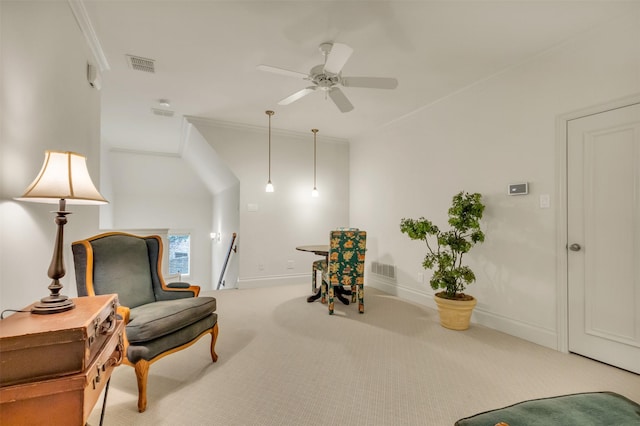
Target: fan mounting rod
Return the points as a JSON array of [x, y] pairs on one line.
[[325, 48]]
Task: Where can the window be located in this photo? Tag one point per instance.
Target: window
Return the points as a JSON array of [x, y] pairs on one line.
[[179, 253]]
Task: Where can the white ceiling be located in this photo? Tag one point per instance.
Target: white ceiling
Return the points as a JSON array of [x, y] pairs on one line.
[[206, 54]]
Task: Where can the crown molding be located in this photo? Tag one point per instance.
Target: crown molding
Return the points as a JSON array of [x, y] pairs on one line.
[[116, 149], [258, 129], [84, 22]]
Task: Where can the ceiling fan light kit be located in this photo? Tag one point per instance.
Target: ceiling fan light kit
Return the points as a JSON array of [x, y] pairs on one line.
[[328, 78]]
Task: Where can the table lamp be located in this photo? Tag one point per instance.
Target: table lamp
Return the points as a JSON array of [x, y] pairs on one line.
[[64, 178]]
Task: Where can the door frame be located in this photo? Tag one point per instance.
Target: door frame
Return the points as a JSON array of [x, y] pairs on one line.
[[562, 219]]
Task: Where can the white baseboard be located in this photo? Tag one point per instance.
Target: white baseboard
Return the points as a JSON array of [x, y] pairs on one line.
[[405, 293], [523, 330], [529, 332], [274, 281]]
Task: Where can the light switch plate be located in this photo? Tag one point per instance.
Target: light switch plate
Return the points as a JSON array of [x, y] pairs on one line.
[[545, 201]]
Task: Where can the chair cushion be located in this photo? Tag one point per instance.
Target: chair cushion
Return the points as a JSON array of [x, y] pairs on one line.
[[151, 349], [320, 265], [158, 319], [121, 265]]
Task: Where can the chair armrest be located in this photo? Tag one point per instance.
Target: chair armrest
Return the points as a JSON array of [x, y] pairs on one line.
[[173, 290], [178, 285], [124, 313]]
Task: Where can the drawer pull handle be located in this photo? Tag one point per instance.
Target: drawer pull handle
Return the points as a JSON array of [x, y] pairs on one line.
[[105, 328], [109, 325], [115, 359]]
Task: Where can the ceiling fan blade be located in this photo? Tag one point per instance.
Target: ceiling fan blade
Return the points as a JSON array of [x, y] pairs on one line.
[[299, 94], [370, 82], [340, 100], [282, 71], [337, 57]]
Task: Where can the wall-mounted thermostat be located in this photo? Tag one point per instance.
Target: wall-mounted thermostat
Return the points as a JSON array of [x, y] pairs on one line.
[[518, 189]]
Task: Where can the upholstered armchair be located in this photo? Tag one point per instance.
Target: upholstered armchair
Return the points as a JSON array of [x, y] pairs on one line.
[[160, 318], [345, 266]]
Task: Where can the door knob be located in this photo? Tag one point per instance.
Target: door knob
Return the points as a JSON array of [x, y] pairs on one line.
[[575, 247]]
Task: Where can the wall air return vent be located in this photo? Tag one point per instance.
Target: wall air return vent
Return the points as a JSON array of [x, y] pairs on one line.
[[162, 112], [383, 269], [141, 64]]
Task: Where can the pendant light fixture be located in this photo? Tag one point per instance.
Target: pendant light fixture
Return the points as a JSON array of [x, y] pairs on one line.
[[269, 187], [314, 193]]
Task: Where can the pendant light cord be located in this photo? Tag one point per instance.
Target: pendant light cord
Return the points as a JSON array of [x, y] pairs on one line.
[[269, 113], [315, 132], [269, 148]]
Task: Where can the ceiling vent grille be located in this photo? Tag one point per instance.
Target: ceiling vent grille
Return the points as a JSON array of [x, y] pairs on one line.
[[141, 64], [162, 112]]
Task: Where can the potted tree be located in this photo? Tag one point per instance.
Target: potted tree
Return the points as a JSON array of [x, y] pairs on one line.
[[445, 250]]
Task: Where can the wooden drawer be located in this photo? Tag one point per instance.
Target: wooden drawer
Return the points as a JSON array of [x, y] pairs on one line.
[[37, 347], [67, 400]]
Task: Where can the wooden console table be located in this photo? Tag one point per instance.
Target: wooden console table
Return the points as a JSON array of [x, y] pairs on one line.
[[54, 367]]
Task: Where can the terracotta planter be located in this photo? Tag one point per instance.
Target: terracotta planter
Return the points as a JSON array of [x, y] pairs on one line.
[[455, 314]]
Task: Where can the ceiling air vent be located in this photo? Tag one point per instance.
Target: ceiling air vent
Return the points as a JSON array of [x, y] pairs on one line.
[[162, 112], [141, 64]]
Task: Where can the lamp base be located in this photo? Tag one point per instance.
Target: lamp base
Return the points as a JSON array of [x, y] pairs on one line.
[[53, 305]]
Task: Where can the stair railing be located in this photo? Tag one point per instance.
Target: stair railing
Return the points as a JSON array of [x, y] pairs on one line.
[[234, 249]]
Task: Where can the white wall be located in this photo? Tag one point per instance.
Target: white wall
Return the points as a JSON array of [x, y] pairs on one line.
[[47, 103], [288, 217], [162, 191], [224, 185], [496, 132]]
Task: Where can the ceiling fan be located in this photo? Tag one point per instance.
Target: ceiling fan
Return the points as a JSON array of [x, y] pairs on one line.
[[328, 77]]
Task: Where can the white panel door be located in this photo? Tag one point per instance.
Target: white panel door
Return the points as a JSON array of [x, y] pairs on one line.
[[603, 176]]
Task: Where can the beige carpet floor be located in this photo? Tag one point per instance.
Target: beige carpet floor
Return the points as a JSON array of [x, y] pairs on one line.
[[283, 361]]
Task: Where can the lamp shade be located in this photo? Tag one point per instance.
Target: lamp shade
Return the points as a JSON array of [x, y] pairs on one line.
[[64, 175]]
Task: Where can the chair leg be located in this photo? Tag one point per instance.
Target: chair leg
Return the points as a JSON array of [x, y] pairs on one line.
[[323, 292], [331, 294], [214, 338], [354, 292], [314, 278], [361, 298], [142, 373]]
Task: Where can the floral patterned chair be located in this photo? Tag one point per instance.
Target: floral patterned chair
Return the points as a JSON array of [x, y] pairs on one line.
[[318, 266], [345, 266]]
